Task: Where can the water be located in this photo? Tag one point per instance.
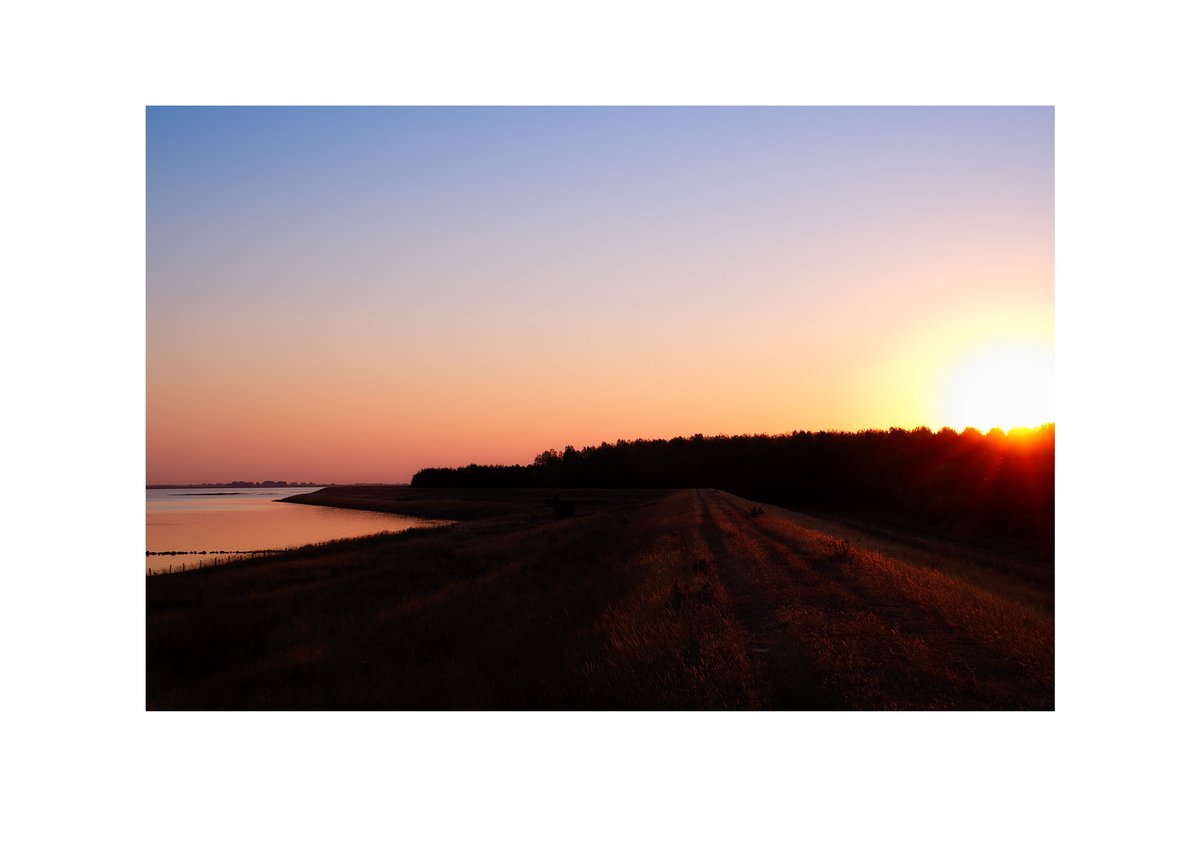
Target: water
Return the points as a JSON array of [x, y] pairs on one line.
[[248, 520]]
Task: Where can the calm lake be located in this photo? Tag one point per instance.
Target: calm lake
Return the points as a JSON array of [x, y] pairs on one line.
[[248, 520]]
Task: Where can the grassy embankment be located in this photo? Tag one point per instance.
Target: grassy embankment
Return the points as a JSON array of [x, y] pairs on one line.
[[688, 599]]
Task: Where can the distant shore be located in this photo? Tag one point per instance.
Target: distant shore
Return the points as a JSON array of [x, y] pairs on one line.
[[449, 504], [266, 484]]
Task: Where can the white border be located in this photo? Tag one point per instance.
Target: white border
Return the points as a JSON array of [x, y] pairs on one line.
[[87, 759]]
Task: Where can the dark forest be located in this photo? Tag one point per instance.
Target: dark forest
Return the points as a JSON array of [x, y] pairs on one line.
[[993, 488]]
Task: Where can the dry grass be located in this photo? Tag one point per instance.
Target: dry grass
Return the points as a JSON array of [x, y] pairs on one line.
[[884, 632], [644, 600], [509, 612]]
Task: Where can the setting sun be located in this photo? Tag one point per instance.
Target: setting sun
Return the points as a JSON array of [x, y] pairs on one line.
[[1005, 385]]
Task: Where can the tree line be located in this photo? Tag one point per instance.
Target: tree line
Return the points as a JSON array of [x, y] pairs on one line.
[[971, 484]]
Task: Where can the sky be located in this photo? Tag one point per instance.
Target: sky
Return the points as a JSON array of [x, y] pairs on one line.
[[351, 294]]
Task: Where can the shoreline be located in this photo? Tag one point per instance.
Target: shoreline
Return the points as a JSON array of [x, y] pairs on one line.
[[449, 504], [166, 555]]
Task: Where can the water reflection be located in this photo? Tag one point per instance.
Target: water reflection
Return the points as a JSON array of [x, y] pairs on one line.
[[209, 520]]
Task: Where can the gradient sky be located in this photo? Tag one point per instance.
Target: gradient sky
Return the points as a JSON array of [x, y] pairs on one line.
[[351, 294]]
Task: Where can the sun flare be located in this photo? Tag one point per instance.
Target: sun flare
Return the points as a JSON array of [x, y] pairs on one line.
[[1005, 386]]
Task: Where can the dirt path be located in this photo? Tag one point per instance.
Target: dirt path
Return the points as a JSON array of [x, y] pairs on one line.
[[841, 626], [794, 681]]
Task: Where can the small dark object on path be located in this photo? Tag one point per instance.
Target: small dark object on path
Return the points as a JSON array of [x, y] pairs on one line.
[[562, 508]]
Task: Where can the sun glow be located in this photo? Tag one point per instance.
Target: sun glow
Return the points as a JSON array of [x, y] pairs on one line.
[[1005, 385]]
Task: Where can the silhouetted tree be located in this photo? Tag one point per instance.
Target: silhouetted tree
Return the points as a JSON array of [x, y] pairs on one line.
[[968, 484]]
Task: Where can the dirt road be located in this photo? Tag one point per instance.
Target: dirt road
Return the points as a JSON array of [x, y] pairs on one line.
[[864, 624]]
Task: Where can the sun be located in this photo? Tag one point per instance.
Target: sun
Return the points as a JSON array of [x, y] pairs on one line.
[[1003, 385]]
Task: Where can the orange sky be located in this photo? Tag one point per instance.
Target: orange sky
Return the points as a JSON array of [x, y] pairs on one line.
[[352, 294]]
